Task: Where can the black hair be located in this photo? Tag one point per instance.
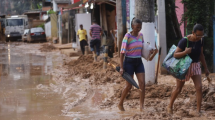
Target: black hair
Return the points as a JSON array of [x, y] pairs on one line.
[[135, 21], [81, 24], [198, 27], [94, 21]]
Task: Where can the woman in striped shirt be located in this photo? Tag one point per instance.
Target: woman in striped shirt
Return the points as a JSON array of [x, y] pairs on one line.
[[195, 51], [131, 50]]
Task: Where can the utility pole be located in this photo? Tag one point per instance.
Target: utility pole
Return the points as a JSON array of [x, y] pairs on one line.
[[162, 31], [121, 22], [145, 12]]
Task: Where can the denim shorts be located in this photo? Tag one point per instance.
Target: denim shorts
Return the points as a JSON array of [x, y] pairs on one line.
[[133, 65]]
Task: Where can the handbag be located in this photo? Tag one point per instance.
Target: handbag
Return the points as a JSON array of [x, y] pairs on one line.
[[177, 67], [146, 50]]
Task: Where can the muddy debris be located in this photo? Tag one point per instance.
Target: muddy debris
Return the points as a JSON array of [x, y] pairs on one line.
[[156, 96], [47, 48]]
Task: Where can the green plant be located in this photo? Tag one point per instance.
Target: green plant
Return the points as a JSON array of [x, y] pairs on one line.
[[42, 26], [198, 11]]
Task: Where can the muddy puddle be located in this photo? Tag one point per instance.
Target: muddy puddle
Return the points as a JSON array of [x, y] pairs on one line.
[[22, 69]]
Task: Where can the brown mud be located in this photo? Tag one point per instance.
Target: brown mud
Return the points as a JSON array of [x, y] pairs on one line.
[[47, 47], [156, 97]]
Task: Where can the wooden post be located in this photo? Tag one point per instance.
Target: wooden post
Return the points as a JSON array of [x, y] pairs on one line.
[[121, 22], [105, 57]]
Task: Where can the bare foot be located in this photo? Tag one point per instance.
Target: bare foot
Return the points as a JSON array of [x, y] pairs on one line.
[[95, 59], [121, 108], [195, 113], [169, 110]]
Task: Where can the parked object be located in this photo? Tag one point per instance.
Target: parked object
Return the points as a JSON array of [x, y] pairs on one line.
[[25, 35], [15, 26], [35, 34]]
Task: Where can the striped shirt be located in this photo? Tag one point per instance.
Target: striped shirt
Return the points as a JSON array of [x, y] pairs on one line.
[[132, 46], [95, 30]]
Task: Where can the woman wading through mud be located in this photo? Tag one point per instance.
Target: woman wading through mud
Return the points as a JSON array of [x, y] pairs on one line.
[[195, 51], [131, 50]]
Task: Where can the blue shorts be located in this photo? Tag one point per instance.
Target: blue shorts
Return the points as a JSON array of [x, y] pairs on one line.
[[133, 65]]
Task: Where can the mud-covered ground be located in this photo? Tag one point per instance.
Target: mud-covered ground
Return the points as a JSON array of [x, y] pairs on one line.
[[86, 91], [156, 98]]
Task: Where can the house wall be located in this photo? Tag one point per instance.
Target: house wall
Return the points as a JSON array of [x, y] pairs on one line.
[[46, 8], [48, 29], [54, 28], [179, 13]]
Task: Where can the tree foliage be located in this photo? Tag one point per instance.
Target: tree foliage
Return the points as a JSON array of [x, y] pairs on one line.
[[20, 6], [198, 11]]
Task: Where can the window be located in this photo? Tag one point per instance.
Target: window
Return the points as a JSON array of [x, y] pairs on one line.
[[14, 22]]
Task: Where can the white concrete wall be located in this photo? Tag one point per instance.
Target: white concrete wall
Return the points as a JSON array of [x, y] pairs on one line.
[[48, 29]]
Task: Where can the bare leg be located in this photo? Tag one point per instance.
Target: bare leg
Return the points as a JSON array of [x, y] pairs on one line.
[[141, 80], [198, 85], [175, 93], [124, 94]]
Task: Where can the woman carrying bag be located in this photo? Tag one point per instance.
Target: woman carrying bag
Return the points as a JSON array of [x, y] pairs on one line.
[[195, 52], [131, 61]]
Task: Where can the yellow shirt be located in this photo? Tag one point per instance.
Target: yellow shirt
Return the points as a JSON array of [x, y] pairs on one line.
[[82, 34]]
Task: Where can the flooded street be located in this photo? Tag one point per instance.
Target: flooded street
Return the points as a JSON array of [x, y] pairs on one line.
[[37, 85], [22, 69], [32, 87]]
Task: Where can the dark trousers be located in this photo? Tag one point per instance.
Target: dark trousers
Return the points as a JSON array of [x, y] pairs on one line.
[[96, 43], [83, 43]]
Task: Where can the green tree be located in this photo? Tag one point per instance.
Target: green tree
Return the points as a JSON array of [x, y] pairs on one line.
[[199, 11]]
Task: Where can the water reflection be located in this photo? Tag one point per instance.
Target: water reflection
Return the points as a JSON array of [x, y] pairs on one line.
[[20, 73]]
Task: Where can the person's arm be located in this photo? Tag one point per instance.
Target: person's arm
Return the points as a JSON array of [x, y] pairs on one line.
[[122, 52], [86, 35], [182, 45], [90, 33], [202, 59], [121, 63], [153, 52], [179, 53], [101, 32], [78, 35]]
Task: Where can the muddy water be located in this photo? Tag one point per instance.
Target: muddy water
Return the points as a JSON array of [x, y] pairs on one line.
[[33, 87], [21, 71]]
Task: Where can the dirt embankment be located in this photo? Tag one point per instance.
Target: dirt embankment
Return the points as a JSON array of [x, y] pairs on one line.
[[47, 48], [156, 97]]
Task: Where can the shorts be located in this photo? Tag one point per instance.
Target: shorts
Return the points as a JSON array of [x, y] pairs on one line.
[[133, 65], [194, 69]]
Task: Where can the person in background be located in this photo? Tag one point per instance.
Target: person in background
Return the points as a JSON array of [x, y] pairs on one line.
[[95, 33], [82, 35]]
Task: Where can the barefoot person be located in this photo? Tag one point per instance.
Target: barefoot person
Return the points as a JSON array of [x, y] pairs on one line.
[[131, 51], [95, 33], [195, 51]]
